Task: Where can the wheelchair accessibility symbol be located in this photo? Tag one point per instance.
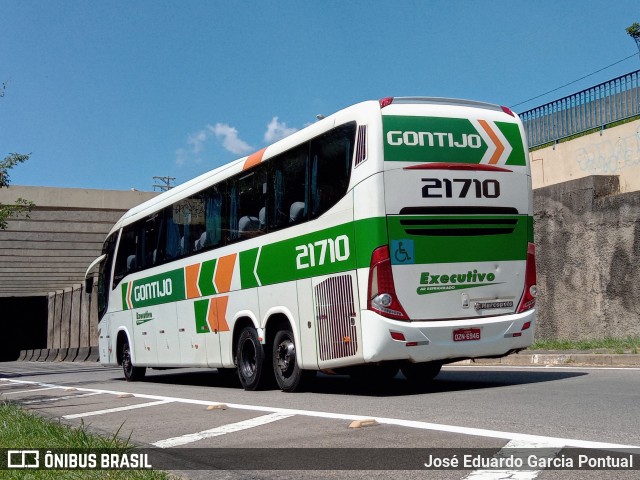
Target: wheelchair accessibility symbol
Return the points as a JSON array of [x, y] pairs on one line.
[[402, 252]]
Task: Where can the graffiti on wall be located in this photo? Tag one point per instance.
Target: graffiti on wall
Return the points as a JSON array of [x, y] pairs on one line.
[[610, 157]]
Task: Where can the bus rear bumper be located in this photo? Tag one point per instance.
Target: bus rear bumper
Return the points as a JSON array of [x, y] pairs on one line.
[[425, 341]]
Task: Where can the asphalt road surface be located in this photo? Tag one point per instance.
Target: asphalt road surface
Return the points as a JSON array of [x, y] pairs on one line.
[[543, 414]]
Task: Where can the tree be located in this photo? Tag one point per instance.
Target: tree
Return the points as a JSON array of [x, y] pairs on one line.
[[634, 32], [21, 206]]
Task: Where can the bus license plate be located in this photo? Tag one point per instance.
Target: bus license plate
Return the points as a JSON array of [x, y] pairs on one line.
[[466, 334]]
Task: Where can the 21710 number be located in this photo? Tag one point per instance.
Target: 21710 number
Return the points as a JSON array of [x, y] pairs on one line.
[[328, 250]]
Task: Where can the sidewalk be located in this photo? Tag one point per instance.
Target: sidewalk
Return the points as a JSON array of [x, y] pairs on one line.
[[596, 358]]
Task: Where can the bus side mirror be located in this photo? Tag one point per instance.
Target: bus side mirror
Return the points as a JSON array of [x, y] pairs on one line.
[[88, 285]]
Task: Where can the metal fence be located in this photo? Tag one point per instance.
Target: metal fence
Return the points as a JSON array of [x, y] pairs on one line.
[[592, 108]]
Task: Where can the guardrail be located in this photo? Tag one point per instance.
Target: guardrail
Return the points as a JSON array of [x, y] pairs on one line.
[[590, 109]]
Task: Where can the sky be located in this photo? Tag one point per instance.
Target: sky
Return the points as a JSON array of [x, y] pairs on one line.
[[108, 94]]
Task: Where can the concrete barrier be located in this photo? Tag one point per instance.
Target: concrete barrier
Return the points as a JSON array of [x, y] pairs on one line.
[[72, 353], [62, 354], [83, 354], [94, 356], [23, 354]]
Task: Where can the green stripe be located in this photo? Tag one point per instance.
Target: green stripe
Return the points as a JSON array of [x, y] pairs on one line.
[[512, 133], [484, 246], [205, 281]]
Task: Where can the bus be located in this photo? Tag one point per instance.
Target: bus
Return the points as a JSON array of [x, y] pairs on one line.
[[396, 234]]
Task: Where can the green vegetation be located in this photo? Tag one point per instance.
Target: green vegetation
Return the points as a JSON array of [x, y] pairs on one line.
[[23, 430], [610, 345], [21, 206]]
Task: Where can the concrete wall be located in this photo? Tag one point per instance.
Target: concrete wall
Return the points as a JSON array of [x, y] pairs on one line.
[[588, 258], [613, 151], [72, 323], [51, 250], [42, 262]]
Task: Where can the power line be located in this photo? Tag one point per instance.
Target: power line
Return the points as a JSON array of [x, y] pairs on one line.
[[574, 81]]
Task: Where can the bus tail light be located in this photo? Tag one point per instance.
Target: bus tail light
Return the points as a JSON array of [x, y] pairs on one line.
[[508, 111], [385, 102], [382, 296], [530, 292]]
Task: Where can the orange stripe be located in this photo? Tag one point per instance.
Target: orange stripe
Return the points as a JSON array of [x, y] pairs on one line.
[[224, 272], [216, 317], [254, 159], [499, 146], [221, 305], [212, 316], [193, 272]]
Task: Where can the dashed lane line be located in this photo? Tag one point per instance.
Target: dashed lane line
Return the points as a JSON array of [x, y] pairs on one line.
[[478, 432], [28, 391], [516, 449], [55, 399], [117, 409], [223, 430]]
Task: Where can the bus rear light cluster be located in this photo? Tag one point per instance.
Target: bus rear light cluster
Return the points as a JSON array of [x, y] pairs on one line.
[[382, 296], [385, 102], [530, 292]]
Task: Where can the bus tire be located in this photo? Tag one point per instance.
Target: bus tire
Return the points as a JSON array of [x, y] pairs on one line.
[[131, 372], [421, 372], [250, 358], [287, 372]]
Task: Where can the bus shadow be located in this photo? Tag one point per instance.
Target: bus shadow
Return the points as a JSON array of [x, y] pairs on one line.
[[448, 380]]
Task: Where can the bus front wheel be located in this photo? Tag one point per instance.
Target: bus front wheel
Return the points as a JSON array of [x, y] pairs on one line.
[[131, 373]]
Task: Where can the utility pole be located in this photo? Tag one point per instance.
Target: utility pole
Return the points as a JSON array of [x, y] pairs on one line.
[[165, 183]]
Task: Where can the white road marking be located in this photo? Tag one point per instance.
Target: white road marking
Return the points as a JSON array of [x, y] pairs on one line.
[[517, 449], [223, 430], [29, 391], [472, 366], [480, 432], [55, 399], [118, 409]]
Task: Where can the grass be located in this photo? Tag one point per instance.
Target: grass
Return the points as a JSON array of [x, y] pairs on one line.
[[20, 429], [613, 345]]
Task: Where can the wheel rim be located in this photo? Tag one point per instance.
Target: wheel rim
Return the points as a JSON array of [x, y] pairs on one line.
[[248, 362], [126, 360], [286, 357]]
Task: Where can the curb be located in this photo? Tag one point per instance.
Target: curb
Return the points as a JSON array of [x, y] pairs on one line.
[[601, 360]]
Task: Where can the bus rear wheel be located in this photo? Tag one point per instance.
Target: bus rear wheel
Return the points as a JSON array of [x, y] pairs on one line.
[[250, 359], [131, 372], [285, 366], [421, 372]]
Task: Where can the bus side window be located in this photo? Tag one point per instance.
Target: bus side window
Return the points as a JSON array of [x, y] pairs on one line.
[[331, 155], [247, 199], [126, 258], [212, 236], [153, 248], [289, 181]]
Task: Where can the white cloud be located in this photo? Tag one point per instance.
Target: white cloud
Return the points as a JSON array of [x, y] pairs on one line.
[[230, 139], [196, 143], [181, 157], [277, 130], [197, 140]]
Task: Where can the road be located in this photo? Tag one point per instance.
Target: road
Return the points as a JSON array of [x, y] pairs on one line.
[[466, 407]]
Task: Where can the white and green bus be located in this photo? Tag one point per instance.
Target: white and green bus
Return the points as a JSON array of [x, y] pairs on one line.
[[393, 234]]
